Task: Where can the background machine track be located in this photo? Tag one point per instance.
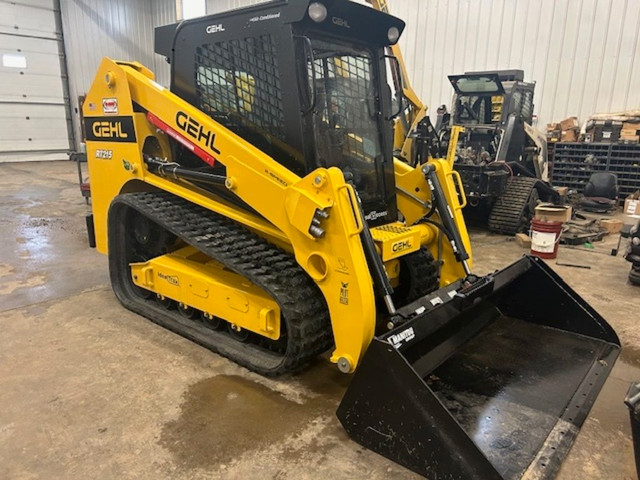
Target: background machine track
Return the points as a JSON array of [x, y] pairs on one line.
[[305, 326], [514, 209]]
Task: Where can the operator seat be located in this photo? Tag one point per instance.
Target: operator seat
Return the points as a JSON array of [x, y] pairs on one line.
[[600, 193]]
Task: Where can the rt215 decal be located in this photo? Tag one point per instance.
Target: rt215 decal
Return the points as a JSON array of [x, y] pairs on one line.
[[104, 154], [109, 129]]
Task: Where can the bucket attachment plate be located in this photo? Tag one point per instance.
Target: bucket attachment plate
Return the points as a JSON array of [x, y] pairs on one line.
[[491, 381]]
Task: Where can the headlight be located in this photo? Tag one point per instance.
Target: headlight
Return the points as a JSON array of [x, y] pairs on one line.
[[393, 34], [317, 12]]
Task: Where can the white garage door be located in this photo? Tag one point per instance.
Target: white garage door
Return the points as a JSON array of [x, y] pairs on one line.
[[33, 120]]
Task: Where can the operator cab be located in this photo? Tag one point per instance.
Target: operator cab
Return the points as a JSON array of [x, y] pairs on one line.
[[488, 98], [305, 82], [493, 106]]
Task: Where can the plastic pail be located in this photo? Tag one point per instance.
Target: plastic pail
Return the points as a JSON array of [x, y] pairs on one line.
[[545, 237]]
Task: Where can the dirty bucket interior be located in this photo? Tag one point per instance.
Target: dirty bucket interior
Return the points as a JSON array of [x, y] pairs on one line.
[[495, 386], [509, 386]]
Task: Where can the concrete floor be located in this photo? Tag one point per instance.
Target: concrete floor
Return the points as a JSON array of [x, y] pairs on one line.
[[90, 390]]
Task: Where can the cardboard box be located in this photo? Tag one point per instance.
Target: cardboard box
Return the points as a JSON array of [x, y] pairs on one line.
[[549, 212], [631, 207], [523, 240], [611, 225], [562, 191], [631, 219], [569, 135], [630, 132], [569, 124]]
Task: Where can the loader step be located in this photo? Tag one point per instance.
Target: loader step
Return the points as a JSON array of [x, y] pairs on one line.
[[304, 313]]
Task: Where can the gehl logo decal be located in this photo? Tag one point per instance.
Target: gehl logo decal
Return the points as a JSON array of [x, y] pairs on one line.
[[401, 245], [195, 130], [109, 129], [215, 28]]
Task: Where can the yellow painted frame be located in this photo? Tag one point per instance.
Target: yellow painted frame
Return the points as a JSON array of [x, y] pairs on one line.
[[285, 202], [204, 284]]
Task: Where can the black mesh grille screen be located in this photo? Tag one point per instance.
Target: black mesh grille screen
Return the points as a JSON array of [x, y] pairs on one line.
[[527, 106], [238, 84]]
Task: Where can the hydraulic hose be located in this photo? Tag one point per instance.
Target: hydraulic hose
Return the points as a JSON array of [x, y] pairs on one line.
[[446, 216], [376, 267], [174, 170]]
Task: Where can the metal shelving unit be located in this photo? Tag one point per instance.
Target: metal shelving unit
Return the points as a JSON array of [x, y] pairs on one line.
[[624, 161], [573, 164]]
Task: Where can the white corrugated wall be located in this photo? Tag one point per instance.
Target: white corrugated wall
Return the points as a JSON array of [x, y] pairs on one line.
[[217, 6], [584, 55], [121, 29]]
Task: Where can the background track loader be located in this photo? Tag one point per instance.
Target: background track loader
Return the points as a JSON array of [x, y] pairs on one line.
[[488, 138], [255, 207], [501, 158]]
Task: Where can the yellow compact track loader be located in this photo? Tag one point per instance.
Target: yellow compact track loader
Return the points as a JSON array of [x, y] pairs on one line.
[[256, 208]]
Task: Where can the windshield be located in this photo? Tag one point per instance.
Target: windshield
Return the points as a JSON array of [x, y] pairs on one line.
[[346, 122], [477, 84]]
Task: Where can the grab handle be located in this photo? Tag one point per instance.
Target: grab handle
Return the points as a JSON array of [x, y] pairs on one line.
[[458, 185]]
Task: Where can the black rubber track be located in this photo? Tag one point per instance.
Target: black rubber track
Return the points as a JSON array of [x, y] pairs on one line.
[[510, 214], [302, 305], [634, 275], [418, 277]]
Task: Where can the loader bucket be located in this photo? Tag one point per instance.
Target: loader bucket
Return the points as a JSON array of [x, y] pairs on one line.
[[488, 381]]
